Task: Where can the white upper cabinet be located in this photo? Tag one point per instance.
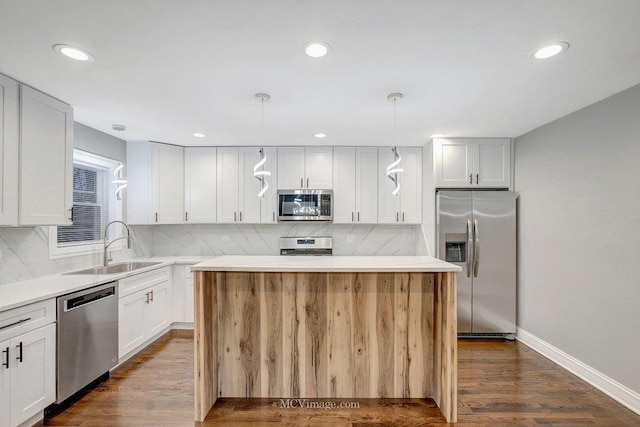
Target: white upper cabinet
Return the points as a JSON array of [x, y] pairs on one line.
[[46, 159], [355, 185], [249, 206], [305, 167], [9, 142], [238, 189], [155, 187], [269, 203], [200, 185], [406, 206], [477, 162], [227, 184]]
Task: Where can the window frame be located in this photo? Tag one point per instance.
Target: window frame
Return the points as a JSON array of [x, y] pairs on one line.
[[115, 212]]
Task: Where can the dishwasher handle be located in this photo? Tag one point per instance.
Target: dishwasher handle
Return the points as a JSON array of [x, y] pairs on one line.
[[77, 301]]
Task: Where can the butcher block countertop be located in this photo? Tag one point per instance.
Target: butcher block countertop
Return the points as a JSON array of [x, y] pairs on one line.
[[373, 264]]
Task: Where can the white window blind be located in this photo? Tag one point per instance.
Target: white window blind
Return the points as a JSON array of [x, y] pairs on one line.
[[90, 206]]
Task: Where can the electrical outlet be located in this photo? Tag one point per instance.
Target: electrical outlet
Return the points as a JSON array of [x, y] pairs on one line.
[[226, 238], [351, 238]]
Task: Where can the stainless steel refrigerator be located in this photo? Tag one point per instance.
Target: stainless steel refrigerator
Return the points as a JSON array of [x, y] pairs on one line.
[[477, 231]]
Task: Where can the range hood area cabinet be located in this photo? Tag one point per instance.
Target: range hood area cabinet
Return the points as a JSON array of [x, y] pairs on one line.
[[36, 167], [355, 185], [307, 167], [406, 206], [155, 187], [472, 162], [237, 188]]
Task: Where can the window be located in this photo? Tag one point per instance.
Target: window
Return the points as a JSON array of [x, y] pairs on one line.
[[94, 206]]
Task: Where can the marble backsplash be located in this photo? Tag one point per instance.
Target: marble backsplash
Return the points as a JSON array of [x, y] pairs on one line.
[[25, 251]]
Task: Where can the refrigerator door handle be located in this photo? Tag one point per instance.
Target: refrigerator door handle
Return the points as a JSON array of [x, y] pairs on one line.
[[476, 248], [470, 250]]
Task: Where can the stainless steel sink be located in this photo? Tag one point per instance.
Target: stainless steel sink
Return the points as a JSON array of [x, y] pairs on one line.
[[121, 267]]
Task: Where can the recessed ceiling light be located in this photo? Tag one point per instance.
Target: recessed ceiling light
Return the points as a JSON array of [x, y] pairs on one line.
[[74, 52], [118, 128], [199, 135], [438, 135], [551, 50], [316, 49], [320, 135]]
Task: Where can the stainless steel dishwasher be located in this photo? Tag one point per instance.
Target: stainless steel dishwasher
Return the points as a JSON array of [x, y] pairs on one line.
[[87, 344]]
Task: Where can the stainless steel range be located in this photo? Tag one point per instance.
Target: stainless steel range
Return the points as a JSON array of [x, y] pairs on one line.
[[306, 245]]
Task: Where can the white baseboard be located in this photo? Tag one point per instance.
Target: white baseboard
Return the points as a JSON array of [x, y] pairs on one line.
[[608, 386]]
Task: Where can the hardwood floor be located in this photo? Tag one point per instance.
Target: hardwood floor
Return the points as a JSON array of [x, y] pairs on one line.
[[499, 383]]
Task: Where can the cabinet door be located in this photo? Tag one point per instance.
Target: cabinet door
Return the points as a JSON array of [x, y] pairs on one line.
[[156, 317], [491, 162], [5, 382], [139, 183], [291, 167], [200, 185], [344, 185], [46, 159], [131, 322], [388, 204], [249, 206], [8, 152], [269, 203], [366, 185], [411, 185], [227, 184], [318, 164], [168, 178], [176, 308], [33, 378], [454, 163]]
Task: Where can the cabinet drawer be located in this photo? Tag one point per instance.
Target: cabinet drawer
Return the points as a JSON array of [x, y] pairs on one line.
[[132, 284], [27, 318]]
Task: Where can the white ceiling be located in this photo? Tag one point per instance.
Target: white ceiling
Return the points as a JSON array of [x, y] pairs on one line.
[[166, 69]]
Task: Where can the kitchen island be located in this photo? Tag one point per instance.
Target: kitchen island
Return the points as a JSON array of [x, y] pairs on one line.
[[325, 327]]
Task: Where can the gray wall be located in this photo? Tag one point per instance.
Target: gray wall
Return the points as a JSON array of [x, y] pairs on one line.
[[579, 235], [100, 143]]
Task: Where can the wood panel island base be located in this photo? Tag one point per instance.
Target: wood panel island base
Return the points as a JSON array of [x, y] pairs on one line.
[[325, 327]]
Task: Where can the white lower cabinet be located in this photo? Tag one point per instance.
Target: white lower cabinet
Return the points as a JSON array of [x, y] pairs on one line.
[[144, 313], [182, 301], [27, 375]]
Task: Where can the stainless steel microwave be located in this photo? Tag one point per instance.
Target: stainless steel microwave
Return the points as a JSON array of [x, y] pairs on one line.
[[305, 205]]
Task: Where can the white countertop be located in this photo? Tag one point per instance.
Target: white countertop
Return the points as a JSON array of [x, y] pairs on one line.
[[326, 264], [25, 292]]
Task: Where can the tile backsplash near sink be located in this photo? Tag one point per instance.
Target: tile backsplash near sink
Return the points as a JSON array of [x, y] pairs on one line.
[[26, 250]]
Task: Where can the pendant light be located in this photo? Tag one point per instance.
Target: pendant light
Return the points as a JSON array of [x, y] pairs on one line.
[[394, 168], [119, 182], [258, 170]]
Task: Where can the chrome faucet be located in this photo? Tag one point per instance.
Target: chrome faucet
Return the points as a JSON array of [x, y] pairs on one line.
[[105, 258]]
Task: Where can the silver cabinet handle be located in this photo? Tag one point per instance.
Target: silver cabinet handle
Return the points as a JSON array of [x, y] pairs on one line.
[[402, 216], [15, 323], [358, 216], [274, 216], [6, 360], [470, 178], [71, 214], [351, 216], [301, 184], [146, 301], [477, 178], [186, 216], [476, 248], [151, 299], [397, 217], [240, 216], [156, 216], [469, 247], [235, 218], [307, 182]]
